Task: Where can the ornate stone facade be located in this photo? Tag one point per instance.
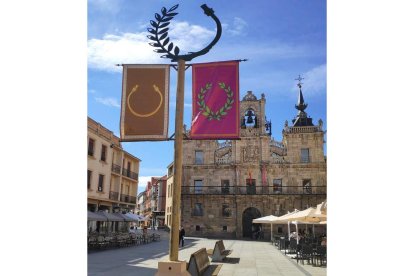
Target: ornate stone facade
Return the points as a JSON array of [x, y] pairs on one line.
[[226, 184]]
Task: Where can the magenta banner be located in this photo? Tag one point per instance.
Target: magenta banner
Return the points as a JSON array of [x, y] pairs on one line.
[[215, 101]]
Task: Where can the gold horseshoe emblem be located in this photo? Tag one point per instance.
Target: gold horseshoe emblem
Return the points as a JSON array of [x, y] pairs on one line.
[[156, 89]]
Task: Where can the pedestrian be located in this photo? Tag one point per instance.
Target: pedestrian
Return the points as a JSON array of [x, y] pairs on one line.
[[182, 234], [323, 242]]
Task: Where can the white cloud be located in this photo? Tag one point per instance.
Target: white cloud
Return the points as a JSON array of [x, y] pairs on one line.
[[314, 82], [236, 28], [104, 53], [190, 37], [142, 182], [92, 91], [126, 48], [108, 101], [316, 79]]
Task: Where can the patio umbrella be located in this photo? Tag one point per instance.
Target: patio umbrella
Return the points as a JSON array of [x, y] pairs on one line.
[[321, 208], [92, 216], [306, 223], [124, 217], [267, 219], [135, 217], [111, 216], [308, 215], [283, 220]]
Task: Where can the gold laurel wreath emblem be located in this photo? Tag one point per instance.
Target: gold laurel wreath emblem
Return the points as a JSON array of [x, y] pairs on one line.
[[222, 110], [156, 89]]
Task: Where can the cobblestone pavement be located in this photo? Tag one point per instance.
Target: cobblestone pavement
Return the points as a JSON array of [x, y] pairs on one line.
[[248, 258]]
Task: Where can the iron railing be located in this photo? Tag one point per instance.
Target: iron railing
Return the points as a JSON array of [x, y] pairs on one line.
[[128, 198], [129, 174], [116, 168], [253, 190], [303, 129], [113, 195], [133, 199]]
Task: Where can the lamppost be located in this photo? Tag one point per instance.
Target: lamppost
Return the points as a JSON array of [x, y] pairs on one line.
[[161, 41]]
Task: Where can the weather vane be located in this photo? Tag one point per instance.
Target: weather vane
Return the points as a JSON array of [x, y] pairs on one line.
[[299, 83]]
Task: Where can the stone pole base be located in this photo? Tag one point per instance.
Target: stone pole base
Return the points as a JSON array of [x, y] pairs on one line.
[[171, 268]]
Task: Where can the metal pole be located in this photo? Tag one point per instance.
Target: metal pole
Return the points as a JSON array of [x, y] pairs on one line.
[[289, 230], [271, 232], [159, 36], [178, 163], [313, 229], [297, 233]]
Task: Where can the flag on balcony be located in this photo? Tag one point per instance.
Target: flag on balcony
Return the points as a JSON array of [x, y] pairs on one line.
[[250, 177], [144, 106], [264, 177], [215, 101]]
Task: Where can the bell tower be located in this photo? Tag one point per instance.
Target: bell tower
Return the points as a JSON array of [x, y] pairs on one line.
[[252, 116]]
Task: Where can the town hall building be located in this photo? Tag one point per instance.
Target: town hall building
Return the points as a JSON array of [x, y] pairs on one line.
[[226, 184]]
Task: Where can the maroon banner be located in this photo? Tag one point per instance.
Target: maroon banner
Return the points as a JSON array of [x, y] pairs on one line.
[[264, 177], [215, 101]]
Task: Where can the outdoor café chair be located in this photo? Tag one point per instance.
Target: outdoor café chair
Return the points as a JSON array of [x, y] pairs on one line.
[[320, 254], [305, 253], [292, 246], [92, 242]]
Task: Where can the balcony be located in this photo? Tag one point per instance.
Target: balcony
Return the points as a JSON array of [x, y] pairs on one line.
[[128, 198], [278, 148], [113, 195], [116, 168], [253, 190], [302, 129], [129, 174]]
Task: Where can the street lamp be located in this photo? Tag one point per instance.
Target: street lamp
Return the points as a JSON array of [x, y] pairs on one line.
[[161, 41]]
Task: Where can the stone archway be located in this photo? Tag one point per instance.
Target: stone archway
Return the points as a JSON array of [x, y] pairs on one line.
[[248, 215]]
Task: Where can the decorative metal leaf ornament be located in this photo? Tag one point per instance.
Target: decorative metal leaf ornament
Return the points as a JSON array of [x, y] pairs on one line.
[[159, 34]]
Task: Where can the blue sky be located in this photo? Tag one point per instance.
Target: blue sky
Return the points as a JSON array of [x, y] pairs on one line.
[[281, 39]]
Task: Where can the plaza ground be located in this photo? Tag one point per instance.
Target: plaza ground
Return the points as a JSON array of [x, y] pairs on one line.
[[248, 258]]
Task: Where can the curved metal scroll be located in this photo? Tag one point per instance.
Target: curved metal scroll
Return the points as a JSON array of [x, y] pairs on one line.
[[159, 34]]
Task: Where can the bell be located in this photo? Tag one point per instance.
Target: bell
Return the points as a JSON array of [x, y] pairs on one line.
[[249, 119]]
